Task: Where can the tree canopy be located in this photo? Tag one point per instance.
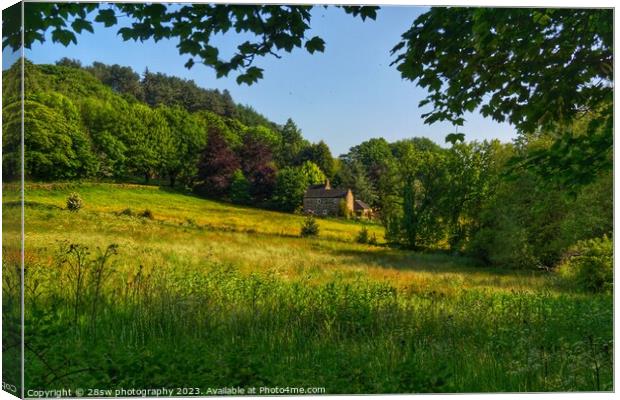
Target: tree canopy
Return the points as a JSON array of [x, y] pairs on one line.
[[274, 28], [539, 69]]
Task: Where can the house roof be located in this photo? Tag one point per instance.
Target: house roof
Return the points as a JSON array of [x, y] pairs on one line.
[[361, 205], [321, 192], [319, 186]]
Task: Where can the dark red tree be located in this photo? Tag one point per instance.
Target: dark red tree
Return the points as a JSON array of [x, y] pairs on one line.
[[258, 167], [216, 166]]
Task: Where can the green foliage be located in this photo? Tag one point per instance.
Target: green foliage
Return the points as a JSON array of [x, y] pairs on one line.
[[370, 170], [291, 184], [121, 79], [69, 62], [423, 173], [58, 147], [183, 147], [310, 227], [363, 236], [292, 143], [74, 202], [320, 155], [248, 116], [527, 221], [90, 122], [519, 230], [506, 63], [273, 29], [240, 188], [267, 136], [109, 125], [371, 320], [159, 89], [454, 138], [352, 174], [589, 213], [559, 163], [312, 174], [509, 44], [589, 265], [472, 177]]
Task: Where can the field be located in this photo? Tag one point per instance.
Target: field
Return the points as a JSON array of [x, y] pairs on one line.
[[208, 295]]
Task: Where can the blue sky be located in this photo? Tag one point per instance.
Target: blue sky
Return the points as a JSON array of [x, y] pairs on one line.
[[343, 96]]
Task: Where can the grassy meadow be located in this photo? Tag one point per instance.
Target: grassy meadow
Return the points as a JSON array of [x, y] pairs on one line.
[[206, 294]]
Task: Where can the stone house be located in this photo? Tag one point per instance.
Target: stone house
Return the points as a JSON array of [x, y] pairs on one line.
[[322, 200], [362, 209]]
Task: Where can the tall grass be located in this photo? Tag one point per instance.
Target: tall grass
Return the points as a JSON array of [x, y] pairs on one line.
[[183, 304], [215, 326]]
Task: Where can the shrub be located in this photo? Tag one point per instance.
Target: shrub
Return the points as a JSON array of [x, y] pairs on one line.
[[146, 214], [310, 227], [128, 212], [373, 240], [589, 265], [74, 202], [362, 236]]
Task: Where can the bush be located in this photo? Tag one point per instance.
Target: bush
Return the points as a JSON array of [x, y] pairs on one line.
[[128, 212], [310, 227], [362, 237], [373, 240], [146, 214], [589, 265], [74, 202]]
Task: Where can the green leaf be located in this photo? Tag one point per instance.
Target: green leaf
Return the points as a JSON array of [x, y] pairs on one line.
[[107, 17], [252, 75], [315, 44], [188, 46], [63, 36], [453, 138], [209, 54], [126, 33], [80, 25]]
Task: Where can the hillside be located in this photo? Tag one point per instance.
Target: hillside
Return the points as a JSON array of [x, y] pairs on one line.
[[207, 293], [187, 228]]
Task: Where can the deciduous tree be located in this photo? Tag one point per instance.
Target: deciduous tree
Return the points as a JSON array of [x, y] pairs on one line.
[[536, 68], [216, 166]]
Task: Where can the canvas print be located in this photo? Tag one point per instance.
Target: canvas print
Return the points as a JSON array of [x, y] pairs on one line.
[[206, 199]]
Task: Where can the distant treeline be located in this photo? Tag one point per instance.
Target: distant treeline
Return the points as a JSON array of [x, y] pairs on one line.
[[108, 122]]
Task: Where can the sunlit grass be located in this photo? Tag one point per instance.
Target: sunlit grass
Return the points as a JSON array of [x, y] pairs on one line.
[[188, 229], [208, 293]]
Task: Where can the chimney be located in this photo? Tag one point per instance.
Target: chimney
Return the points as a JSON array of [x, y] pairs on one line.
[[327, 185]]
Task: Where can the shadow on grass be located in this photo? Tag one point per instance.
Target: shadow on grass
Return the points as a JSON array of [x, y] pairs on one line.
[[32, 204], [407, 260]]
